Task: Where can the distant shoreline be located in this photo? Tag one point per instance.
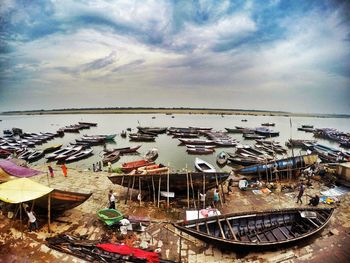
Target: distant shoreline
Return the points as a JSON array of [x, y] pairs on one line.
[[170, 111]]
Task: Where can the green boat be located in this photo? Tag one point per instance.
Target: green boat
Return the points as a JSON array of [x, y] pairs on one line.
[[109, 216]]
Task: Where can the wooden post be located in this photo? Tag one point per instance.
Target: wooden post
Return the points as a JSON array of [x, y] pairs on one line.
[[160, 180], [180, 247], [127, 192], [204, 192], [49, 212], [194, 200], [188, 189], [132, 187], [154, 191], [140, 189], [20, 217], [167, 188]]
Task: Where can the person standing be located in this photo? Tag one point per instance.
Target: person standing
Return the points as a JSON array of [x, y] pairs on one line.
[[301, 193], [111, 199], [202, 198], [229, 186], [216, 197], [64, 169], [50, 170], [33, 224]]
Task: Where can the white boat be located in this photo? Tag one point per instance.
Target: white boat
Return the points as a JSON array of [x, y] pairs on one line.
[[204, 166]]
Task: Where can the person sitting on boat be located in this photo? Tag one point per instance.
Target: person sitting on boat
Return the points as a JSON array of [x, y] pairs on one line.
[[314, 201], [111, 198]]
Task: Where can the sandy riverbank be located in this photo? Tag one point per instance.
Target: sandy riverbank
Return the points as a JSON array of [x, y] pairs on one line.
[[330, 246]]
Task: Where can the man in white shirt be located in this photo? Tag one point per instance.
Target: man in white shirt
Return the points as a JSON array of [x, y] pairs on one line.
[[111, 199], [33, 224]]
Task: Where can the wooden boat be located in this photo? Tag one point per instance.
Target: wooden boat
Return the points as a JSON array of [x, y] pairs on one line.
[[258, 229], [234, 130], [151, 155], [196, 141], [58, 152], [200, 150], [128, 167], [105, 137], [36, 155], [79, 155], [307, 126], [124, 150], [152, 129], [153, 169], [111, 157], [201, 146], [68, 153], [110, 216], [306, 129], [298, 143], [185, 135], [297, 162], [222, 158], [60, 201], [268, 124], [225, 142], [244, 160], [266, 132], [92, 124], [177, 181], [252, 136], [141, 137], [204, 166], [200, 128], [52, 148], [25, 154]]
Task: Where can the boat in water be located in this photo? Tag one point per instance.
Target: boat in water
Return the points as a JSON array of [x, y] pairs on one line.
[[256, 230], [204, 166]]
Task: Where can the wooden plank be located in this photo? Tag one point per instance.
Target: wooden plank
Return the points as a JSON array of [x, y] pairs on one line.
[[316, 225], [285, 235], [230, 227], [221, 230]]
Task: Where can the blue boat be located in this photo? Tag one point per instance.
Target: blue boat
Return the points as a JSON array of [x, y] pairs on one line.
[[281, 165]]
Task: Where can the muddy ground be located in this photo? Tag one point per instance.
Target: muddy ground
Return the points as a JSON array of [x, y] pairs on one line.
[[331, 245]]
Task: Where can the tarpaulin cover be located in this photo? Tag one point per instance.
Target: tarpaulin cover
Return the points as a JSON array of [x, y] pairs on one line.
[[18, 171], [22, 190], [151, 257]]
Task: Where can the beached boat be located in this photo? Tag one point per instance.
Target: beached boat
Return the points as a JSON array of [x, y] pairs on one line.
[[297, 162], [79, 155], [36, 155], [52, 148], [60, 201], [178, 182], [251, 230], [151, 155], [222, 158], [129, 166], [111, 157], [204, 166]]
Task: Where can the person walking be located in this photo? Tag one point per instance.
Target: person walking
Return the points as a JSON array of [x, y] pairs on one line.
[[301, 193], [33, 224], [111, 199], [50, 170], [64, 169]]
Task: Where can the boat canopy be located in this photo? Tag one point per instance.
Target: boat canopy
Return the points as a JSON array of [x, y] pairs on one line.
[[22, 190], [16, 170]]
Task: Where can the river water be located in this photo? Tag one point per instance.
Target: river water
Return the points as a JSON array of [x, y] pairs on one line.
[[170, 153]]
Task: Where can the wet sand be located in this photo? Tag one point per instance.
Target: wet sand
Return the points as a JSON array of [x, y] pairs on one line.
[[331, 245]]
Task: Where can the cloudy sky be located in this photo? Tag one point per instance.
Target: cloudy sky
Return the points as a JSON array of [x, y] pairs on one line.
[[273, 55]]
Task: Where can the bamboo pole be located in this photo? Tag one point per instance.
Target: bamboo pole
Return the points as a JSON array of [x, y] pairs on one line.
[[167, 188], [204, 191], [188, 189], [140, 190], [154, 191], [127, 192], [132, 187], [160, 180], [49, 212], [20, 216], [194, 200]]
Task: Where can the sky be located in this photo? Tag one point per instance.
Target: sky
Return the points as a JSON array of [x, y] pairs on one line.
[[278, 55]]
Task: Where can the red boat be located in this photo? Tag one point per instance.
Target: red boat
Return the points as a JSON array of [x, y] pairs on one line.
[[128, 167]]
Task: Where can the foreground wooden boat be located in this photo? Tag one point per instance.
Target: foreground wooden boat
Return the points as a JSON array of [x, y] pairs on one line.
[[60, 201], [177, 181], [258, 229]]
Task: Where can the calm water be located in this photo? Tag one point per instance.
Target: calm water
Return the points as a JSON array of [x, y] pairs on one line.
[[170, 153]]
